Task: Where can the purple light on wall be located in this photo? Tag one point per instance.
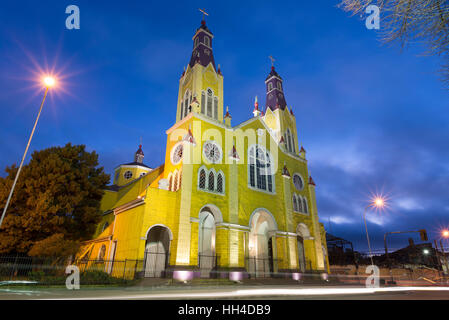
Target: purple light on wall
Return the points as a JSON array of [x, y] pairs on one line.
[[324, 276], [183, 275], [235, 276], [296, 276]]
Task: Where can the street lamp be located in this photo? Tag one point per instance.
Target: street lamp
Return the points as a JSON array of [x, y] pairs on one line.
[[378, 202], [49, 82]]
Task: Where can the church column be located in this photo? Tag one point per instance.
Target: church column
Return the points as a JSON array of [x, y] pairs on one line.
[[316, 227], [289, 227], [184, 229]]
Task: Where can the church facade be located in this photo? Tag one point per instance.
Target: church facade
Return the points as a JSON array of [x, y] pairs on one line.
[[229, 201]]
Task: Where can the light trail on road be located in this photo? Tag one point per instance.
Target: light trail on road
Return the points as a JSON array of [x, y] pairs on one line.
[[245, 293]]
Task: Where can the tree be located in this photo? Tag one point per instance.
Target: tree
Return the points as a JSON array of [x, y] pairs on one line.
[[58, 192], [54, 246], [408, 21]]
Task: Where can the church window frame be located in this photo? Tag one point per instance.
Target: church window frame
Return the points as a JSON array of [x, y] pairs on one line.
[[197, 42], [203, 102], [260, 174], [128, 175], [206, 41], [175, 181], [215, 108], [270, 86], [305, 205], [202, 178], [298, 181], [209, 102], [212, 152], [177, 153], [209, 181], [182, 110], [295, 203]]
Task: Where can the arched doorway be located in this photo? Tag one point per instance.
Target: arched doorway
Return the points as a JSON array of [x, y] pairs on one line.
[[302, 233], [262, 244], [157, 250], [206, 242]]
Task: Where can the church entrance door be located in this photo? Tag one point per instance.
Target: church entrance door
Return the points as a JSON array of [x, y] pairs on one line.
[[156, 252]]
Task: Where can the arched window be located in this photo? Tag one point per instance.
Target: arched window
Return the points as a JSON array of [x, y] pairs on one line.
[[216, 108], [298, 199], [305, 206], [182, 110], [211, 181], [105, 226], [260, 171], [187, 97], [175, 183], [295, 203], [289, 140], [207, 41], [196, 42], [210, 94], [102, 253], [202, 179], [279, 85], [220, 183], [203, 102], [270, 86]]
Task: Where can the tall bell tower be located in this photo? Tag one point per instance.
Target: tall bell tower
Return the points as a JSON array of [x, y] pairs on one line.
[[201, 83]]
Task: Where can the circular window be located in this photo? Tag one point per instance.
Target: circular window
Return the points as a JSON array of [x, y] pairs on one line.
[[212, 152], [298, 182], [177, 152], [128, 175]]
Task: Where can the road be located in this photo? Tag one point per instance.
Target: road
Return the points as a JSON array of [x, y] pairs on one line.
[[230, 292]]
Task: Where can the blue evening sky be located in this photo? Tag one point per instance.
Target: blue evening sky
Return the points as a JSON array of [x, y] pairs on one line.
[[371, 117]]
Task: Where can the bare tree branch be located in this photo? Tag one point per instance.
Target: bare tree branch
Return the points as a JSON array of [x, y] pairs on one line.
[[411, 21]]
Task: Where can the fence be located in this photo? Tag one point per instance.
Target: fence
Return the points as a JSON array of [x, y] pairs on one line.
[[261, 267], [207, 265]]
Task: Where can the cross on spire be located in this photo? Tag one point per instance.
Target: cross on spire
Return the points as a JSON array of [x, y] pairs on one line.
[[204, 14], [272, 60]]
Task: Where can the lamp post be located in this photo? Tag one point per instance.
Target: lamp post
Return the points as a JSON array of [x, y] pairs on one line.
[[445, 235], [379, 203], [49, 82]]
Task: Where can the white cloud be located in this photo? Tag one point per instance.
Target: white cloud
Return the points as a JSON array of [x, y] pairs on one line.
[[408, 204], [341, 220]]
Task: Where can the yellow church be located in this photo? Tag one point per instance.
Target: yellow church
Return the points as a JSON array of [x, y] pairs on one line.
[[230, 201]]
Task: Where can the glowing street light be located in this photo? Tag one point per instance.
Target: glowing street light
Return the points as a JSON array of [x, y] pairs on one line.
[[49, 82], [445, 233], [379, 203]]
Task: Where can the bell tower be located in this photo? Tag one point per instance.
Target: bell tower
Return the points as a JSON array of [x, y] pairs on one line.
[[201, 83], [278, 117]]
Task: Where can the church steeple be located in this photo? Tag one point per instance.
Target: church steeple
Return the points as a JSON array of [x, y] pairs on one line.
[[138, 156], [201, 84], [202, 46], [275, 92]]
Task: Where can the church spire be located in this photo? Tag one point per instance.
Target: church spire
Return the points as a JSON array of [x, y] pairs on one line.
[[138, 156], [202, 45], [275, 92]]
